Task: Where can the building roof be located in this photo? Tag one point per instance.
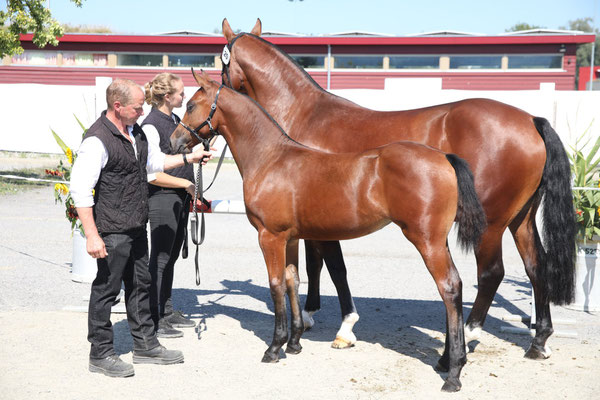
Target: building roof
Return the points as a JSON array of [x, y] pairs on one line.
[[543, 31], [446, 33]]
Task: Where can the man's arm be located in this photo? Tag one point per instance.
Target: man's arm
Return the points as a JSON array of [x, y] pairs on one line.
[[94, 244]]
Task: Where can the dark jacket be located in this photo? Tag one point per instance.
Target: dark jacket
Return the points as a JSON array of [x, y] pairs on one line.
[[165, 126], [121, 194]]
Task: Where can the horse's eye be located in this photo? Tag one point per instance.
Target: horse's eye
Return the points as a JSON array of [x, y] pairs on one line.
[[190, 106]]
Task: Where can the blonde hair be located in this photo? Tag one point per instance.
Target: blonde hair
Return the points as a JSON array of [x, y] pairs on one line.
[[159, 87], [120, 90]]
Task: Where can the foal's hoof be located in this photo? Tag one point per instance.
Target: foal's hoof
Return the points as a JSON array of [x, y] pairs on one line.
[[270, 358], [451, 386], [538, 353], [293, 348], [342, 343]]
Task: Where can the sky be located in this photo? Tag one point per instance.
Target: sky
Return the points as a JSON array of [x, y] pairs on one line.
[[319, 17]]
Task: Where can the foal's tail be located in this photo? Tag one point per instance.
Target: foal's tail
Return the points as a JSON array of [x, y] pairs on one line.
[[470, 216], [556, 264]]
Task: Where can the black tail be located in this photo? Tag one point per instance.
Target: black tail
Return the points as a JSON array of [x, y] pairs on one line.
[[556, 265], [470, 216]]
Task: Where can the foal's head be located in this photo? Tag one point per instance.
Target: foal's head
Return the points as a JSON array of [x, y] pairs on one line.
[[232, 73], [201, 117]]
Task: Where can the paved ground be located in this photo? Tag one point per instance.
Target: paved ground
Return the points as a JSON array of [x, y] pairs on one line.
[[44, 348]]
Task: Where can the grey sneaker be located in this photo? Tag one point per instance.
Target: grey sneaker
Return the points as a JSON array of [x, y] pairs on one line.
[[177, 320], [111, 366], [166, 330], [157, 355]]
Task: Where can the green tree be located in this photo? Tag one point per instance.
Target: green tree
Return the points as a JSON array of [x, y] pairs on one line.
[[28, 16], [69, 28], [584, 51], [522, 26]]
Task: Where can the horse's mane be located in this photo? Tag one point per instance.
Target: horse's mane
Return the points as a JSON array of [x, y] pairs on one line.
[[283, 133], [277, 49]]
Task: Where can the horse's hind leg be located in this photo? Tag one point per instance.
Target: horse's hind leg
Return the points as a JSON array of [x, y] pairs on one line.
[[490, 272], [441, 267], [332, 253], [292, 282], [526, 236], [314, 264]]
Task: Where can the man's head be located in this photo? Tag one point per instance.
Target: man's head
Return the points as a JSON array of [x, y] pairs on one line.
[[125, 99]]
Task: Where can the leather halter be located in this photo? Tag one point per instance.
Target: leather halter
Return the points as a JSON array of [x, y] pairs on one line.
[[194, 132], [199, 190]]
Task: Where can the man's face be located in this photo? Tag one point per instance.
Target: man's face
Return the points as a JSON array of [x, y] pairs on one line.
[[130, 113]]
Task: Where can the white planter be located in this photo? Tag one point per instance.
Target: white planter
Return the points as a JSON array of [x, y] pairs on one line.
[[83, 266], [587, 284]]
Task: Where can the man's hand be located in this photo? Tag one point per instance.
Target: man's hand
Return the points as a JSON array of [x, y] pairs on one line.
[[95, 246]]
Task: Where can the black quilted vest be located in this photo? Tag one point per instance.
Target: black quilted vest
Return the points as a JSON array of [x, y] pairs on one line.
[[165, 126], [121, 194]]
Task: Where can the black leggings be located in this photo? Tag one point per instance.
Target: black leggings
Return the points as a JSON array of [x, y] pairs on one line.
[[168, 222]]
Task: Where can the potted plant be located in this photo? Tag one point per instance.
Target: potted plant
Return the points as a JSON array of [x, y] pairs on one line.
[[586, 199], [83, 266]]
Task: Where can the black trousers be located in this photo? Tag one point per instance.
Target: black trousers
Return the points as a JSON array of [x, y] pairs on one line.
[[127, 262], [168, 216]]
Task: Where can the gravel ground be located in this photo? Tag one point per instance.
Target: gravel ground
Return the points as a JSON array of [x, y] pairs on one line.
[[400, 333]]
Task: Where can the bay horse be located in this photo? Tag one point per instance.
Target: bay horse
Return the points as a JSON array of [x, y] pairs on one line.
[[293, 192], [517, 159]]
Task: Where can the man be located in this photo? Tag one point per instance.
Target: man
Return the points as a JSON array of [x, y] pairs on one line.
[[109, 188]]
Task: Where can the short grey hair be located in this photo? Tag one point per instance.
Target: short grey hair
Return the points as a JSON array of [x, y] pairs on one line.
[[120, 90]]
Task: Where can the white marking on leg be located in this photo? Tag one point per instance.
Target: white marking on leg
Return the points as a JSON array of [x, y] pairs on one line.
[[471, 335], [307, 318], [344, 336]]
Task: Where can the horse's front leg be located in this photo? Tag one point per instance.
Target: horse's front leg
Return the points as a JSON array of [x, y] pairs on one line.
[[274, 249], [292, 283]]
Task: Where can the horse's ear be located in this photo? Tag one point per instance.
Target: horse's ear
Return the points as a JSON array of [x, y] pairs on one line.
[[227, 31], [257, 30], [197, 77]]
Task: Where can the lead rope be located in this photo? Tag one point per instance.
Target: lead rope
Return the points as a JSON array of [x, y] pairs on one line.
[[199, 194]]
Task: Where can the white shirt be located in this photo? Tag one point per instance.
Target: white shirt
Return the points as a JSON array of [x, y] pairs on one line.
[[154, 140], [92, 157]]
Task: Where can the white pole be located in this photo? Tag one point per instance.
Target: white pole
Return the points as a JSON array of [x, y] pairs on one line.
[[593, 50], [328, 66]]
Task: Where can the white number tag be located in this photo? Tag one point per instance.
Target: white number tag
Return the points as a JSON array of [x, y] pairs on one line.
[[225, 56]]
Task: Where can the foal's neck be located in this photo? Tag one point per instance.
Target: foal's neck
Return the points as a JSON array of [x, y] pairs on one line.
[[254, 137]]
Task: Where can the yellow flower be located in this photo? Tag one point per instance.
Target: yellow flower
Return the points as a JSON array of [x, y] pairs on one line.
[[69, 154], [61, 188]]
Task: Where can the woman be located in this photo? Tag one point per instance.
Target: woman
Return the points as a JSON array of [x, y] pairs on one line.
[[168, 202]]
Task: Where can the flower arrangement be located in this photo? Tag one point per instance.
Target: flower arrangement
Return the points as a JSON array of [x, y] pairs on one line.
[[586, 192], [61, 190]]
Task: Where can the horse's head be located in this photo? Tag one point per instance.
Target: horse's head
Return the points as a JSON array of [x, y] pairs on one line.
[[200, 121], [232, 73]]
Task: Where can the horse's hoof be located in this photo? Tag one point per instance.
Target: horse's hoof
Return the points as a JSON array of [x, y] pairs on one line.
[[342, 343], [270, 358], [441, 366], [451, 387], [538, 353], [308, 320], [293, 349]]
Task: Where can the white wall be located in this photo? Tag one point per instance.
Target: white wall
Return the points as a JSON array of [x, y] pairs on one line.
[[30, 110]]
